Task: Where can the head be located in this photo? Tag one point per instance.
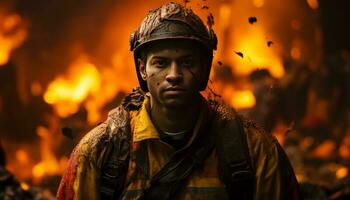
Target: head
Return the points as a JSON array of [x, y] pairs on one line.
[[175, 37]]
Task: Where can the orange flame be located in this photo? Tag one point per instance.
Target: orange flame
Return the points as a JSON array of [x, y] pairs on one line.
[[49, 164], [256, 54], [22, 157], [313, 4], [248, 39], [243, 99], [342, 172], [25, 186], [66, 93], [11, 36]]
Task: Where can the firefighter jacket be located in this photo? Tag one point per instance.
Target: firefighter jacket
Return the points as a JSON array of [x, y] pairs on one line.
[[274, 177]]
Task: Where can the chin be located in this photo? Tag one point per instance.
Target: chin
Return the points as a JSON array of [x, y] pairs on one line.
[[176, 103]]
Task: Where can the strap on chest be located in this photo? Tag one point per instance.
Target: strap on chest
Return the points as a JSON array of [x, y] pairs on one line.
[[235, 167], [113, 173]]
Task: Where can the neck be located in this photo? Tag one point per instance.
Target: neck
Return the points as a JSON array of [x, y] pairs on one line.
[[175, 119]]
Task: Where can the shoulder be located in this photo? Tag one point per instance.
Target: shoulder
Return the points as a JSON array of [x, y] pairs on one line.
[[263, 146], [274, 174], [258, 141], [96, 143]]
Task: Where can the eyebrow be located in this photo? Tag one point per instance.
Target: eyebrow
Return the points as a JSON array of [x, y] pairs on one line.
[[181, 57]]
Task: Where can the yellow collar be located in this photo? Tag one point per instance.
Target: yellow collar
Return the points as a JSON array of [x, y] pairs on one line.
[[141, 124]]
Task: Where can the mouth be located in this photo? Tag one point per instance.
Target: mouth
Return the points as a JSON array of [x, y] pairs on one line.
[[174, 90]]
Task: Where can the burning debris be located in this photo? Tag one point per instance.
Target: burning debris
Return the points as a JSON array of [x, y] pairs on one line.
[[269, 43], [210, 20], [252, 20], [240, 54], [68, 132]]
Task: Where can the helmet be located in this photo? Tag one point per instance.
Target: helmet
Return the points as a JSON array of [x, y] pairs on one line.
[[173, 21]]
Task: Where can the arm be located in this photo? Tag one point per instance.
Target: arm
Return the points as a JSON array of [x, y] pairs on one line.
[[79, 180], [275, 178], [81, 177]]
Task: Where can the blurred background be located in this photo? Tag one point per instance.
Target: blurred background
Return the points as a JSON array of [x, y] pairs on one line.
[[64, 64]]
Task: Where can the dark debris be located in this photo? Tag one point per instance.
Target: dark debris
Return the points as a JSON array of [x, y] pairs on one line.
[[240, 54], [252, 20], [210, 20], [269, 43], [68, 132]]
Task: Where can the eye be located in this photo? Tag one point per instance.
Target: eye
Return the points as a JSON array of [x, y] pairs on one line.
[[160, 63], [187, 62]]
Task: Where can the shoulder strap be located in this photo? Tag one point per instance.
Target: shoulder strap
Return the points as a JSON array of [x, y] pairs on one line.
[[116, 163], [113, 173], [235, 167]]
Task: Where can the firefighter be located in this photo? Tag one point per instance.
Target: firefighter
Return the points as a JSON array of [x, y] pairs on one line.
[[166, 141]]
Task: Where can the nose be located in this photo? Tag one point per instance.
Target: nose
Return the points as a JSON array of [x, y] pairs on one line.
[[174, 74]]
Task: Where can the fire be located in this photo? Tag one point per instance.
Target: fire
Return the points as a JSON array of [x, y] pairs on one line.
[[22, 157], [35, 88], [49, 164], [249, 39], [12, 34], [295, 53], [344, 150], [256, 54], [279, 132], [91, 86], [243, 99], [66, 93], [84, 84], [258, 3], [342, 172], [25, 186], [324, 150], [313, 4]]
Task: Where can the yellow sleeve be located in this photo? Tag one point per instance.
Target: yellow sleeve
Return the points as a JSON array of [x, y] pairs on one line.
[[82, 175], [87, 180], [275, 178]]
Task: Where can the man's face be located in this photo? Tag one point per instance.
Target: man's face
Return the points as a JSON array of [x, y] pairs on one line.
[[173, 72]]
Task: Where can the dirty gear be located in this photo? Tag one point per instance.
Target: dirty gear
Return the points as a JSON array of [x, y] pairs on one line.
[[148, 154], [173, 21]]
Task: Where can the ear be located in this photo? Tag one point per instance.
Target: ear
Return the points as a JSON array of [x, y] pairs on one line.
[[142, 68]]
